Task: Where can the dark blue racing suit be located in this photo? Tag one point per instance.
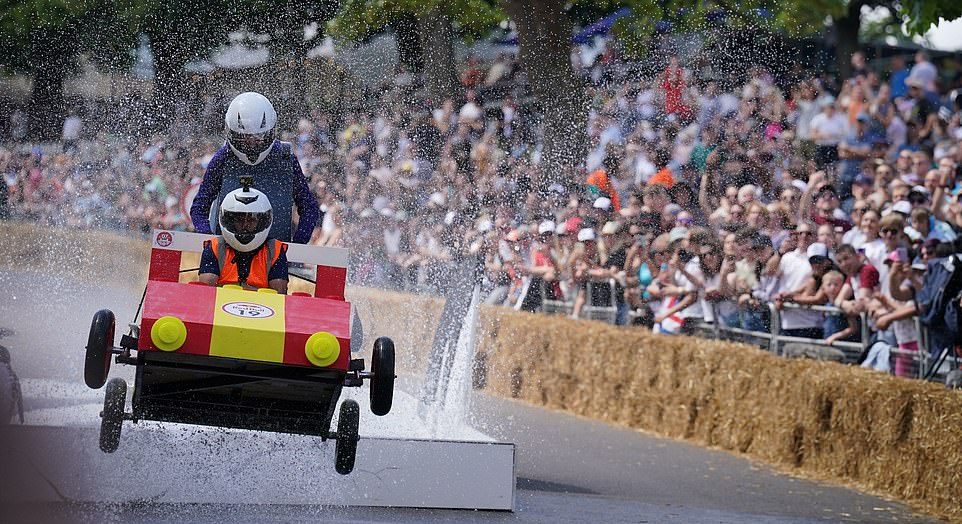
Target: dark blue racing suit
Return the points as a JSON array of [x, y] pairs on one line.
[[279, 177]]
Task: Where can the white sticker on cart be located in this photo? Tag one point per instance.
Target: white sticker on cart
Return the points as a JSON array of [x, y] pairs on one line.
[[247, 310]]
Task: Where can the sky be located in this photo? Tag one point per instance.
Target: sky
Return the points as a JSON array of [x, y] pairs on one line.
[[947, 36]]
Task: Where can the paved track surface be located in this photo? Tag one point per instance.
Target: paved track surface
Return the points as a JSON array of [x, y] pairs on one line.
[[569, 469]]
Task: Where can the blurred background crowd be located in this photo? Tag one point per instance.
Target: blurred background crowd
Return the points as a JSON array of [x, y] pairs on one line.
[[700, 200]]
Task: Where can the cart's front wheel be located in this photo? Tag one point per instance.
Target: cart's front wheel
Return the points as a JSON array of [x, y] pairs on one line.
[[112, 418], [345, 448], [100, 343], [382, 384]]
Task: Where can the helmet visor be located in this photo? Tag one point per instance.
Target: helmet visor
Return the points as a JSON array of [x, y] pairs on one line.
[[245, 225], [251, 145]]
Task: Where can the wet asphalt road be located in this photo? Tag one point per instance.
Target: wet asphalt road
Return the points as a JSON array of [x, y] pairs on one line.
[[569, 469]]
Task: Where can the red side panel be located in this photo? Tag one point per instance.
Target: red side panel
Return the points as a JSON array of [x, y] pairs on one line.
[[194, 305], [164, 265], [305, 316], [330, 282]]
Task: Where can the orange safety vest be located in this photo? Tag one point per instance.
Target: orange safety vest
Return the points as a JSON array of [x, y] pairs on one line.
[[263, 260]]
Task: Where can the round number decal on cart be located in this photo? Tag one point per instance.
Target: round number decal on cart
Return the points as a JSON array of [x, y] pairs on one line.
[[247, 310], [164, 239]]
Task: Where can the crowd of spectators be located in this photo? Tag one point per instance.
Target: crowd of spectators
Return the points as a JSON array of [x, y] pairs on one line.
[[700, 199]]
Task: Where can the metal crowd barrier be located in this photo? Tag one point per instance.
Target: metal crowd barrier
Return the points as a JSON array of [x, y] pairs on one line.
[[591, 310], [918, 363], [774, 341]]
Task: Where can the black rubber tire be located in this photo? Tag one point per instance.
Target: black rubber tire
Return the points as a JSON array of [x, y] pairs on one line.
[[345, 447], [100, 343], [112, 418], [382, 384]]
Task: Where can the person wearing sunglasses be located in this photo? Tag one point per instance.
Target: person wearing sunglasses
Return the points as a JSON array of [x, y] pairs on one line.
[[892, 234], [251, 151]]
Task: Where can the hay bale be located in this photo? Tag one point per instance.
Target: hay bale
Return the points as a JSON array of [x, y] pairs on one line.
[[813, 351]]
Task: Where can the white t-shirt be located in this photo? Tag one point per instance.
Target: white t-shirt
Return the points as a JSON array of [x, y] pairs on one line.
[[693, 267], [904, 329], [794, 270], [876, 252], [807, 110], [71, 128], [854, 237], [725, 307], [926, 72], [830, 130]]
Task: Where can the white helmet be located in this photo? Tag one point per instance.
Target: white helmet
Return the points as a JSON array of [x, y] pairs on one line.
[[245, 218], [250, 123]]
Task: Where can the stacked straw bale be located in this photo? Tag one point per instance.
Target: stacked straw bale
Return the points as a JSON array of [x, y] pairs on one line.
[[94, 256], [899, 438]]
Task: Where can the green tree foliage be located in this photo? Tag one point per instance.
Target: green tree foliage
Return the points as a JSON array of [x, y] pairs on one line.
[[425, 32], [357, 20], [43, 38]]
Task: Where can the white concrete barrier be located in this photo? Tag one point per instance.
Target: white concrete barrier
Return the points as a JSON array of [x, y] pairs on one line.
[[188, 464], [56, 457]]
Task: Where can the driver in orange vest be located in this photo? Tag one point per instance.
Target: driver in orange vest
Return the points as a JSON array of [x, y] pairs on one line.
[[243, 254]]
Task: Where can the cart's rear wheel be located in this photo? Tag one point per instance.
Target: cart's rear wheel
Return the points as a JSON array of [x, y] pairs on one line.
[[112, 418], [100, 343], [382, 384], [345, 448]]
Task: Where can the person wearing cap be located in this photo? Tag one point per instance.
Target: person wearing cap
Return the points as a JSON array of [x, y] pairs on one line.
[[601, 209], [821, 263], [617, 241], [562, 245], [585, 266], [541, 270], [901, 208], [918, 196]]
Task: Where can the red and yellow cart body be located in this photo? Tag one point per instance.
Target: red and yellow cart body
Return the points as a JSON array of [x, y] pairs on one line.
[[231, 357]]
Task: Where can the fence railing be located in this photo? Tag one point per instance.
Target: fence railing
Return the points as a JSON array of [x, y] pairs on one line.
[[918, 363], [601, 303], [774, 341]]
